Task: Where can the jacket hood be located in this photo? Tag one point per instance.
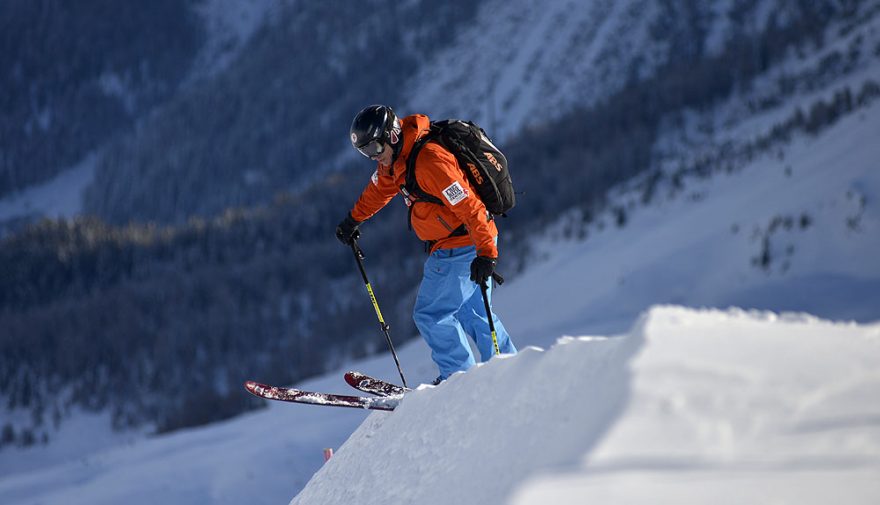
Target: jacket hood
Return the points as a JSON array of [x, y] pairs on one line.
[[414, 127]]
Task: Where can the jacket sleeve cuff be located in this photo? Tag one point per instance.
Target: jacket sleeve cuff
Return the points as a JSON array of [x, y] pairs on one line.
[[488, 251]]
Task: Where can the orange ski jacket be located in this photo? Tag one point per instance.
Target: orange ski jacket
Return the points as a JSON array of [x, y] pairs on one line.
[[438, 174]]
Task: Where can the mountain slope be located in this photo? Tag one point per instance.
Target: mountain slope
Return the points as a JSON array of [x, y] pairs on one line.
[[270, 290], [79, 76], [766, 236], [276, 116], [251, 128], [76, 75], [556, 55], [780, 403]]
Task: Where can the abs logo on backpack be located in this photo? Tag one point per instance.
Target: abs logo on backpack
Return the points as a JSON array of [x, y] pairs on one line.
[[493, 161], [475, 173]]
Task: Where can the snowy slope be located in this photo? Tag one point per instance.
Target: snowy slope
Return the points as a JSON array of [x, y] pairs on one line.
[[698, 248], [60, 197], [555, 54], [537, 60], [229, 25], [688, 407], [735, 407], [263, 457]]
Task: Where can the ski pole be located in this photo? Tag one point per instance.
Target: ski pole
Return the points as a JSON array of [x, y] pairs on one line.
[[359, 256], [484, 288]]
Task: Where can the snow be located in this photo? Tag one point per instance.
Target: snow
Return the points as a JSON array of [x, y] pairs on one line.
[[697, 247], [229, 25], [112, 84], [68, 442], [690, 405], [693, 403], [559, 53], [555, 55], [59, 197], [737, 407]]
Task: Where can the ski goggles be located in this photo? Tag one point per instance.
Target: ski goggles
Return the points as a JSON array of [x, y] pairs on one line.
[[372, 149]]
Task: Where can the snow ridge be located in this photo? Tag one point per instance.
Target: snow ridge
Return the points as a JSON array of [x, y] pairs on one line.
[[468, 440], [694, 399]]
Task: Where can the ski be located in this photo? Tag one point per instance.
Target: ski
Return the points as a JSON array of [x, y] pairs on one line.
[[329, 399], [373, 385]]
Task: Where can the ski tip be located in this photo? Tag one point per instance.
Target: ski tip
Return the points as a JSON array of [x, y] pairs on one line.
[[354, 378], [258, 389]]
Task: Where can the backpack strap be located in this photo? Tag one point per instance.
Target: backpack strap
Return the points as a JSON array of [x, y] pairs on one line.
[[412, 186], [411, 189]]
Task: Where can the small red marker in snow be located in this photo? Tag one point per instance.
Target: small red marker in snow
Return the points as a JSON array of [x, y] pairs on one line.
[[328, 453]]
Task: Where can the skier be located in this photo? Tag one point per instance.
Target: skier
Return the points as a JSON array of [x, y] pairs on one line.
[[459, 233]]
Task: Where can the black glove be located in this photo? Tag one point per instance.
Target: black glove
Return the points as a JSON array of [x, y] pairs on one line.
[[347, 231], [482, 268]]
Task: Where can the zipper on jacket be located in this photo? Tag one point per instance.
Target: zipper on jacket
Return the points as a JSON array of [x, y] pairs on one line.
[[445, 224]]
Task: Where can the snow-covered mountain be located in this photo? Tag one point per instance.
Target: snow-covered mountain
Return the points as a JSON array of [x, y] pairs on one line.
[[507, 65], [680, 405], [766, 200], [557, 55]]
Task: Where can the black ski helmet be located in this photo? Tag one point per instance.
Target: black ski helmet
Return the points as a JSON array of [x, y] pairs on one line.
[[373, 128]]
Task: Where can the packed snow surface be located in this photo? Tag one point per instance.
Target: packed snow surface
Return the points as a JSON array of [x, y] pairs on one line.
[[694, 406]]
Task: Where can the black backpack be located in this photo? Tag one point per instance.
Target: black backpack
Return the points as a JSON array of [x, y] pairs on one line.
[[483, 164]]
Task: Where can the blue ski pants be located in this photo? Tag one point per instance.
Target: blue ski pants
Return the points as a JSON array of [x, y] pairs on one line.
[[449, 307]]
